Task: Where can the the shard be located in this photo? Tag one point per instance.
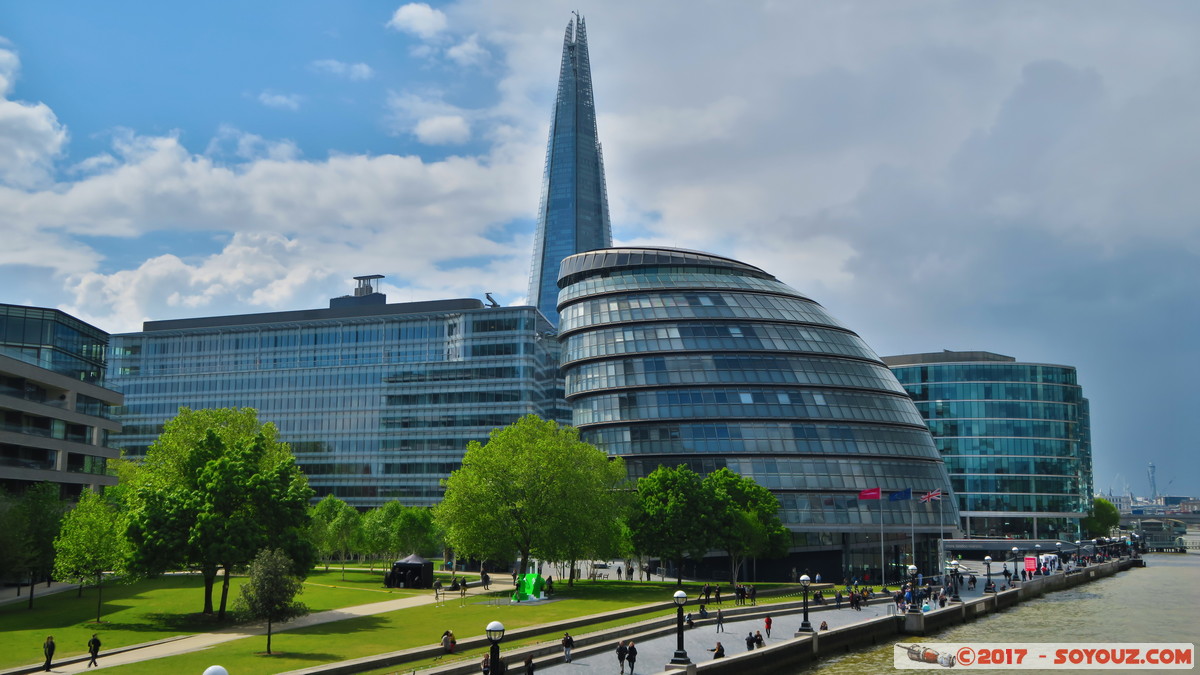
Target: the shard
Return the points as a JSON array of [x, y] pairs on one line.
[[573, 214]]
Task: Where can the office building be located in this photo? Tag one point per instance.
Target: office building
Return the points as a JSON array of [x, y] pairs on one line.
[[678, 357], [377, 400], [573, 214], [1015, 436], [57, 409]]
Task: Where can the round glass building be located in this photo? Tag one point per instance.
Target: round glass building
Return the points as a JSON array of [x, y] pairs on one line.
[[679, 357]]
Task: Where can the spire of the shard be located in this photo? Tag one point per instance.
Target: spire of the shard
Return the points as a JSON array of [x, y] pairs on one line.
[[573, 214]]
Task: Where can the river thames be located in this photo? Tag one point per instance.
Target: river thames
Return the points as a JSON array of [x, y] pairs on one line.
[[1158, 603]]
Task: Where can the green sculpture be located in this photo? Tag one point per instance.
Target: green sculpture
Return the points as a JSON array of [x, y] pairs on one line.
[[529, 587]]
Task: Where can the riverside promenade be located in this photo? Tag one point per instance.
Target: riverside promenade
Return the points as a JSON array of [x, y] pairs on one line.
[[655, 637]]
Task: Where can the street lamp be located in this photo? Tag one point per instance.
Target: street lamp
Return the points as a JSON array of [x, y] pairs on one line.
[[913, 606], [805, 626], [1037, 554], [1016, 572], [495, 633], [1079, 561], [680, 660], [954, 578], [988, 586]]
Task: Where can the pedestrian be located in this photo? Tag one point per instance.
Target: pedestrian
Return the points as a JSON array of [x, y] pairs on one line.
[[94, 650], [824, 625], [758, 639], [818, 578], [767, 625], [703, 592], [754, 596], [718, 651], [717, 591], [447, 642], [529, 664], [838, 598], [622, 652], [703, 612], [48, 650], [749, 642], [720, 621], [567, 642], [631, 657], [485, 579]]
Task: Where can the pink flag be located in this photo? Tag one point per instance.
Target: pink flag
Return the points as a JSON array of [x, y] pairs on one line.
[[872, 493]]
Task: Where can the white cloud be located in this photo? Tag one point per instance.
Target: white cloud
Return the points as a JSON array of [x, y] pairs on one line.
[[418, 19], [273, 99], [350, 71], [468, 52], [230, 141], [31, 137], [443, 130]]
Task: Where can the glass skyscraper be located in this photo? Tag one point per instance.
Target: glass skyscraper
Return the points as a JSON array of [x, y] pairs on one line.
[[573, 214], [1015, 437], [378, 401], [678, 357]]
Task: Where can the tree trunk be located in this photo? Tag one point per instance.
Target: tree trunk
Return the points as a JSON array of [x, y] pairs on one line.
[[571, 574], [32, 583], [99, 593], [209, 579], [224, 595], [268, 635], [80, 593], [679, 572], [524, 562]]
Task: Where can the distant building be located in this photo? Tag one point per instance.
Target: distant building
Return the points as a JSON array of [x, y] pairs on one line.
[[573, 215], [377, 400], [57, 409], [1015, 436], [679, 357]]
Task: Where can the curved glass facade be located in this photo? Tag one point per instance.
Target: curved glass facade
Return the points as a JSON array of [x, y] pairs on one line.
[[1014, 436], [681, 357]]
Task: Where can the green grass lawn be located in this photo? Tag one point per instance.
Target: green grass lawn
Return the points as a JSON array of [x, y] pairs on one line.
[[155, 609], [414, 627]]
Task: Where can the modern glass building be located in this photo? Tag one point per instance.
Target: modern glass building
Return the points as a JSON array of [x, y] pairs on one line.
[[57, 410], [677, 357], [1015, 437], [573, 215], [378, 401]]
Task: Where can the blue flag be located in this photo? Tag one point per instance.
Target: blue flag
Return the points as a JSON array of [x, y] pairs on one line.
[[900, 496]]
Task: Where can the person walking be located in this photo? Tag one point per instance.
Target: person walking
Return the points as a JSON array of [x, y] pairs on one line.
[[750, 641], [720, 621], [567, 642], [631, 657], [718, 651], [758, 639], [767, 625], [48, 650], [717, 591], [94, 650], [622, 652], [529, 664]]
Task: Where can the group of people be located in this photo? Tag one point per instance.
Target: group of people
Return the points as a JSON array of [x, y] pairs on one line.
[[93, 647]]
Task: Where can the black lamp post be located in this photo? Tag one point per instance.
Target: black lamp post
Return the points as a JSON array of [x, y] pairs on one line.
[[680, 660], [954, 578], [805, 626], [1037, 555], [1016, 570], [495, 633], [914, 606], [1079, 561], [988, 586]]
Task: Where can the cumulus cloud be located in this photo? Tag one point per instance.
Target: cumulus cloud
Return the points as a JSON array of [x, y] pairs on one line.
[[429, 118], [443, 130], [31, 137], [273, 99], [468, 52], [418, 19], [350, 71], [238, 144]]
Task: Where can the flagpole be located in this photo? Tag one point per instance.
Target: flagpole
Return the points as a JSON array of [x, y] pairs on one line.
[[882, 566], [912, 524]]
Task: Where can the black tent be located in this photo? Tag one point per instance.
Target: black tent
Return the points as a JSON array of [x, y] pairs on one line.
[[412, 572]]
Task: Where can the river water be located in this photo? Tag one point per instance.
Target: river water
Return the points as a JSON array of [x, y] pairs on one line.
[[1158, 603]]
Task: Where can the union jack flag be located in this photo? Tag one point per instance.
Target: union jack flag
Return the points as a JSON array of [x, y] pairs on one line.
[[931, 496]]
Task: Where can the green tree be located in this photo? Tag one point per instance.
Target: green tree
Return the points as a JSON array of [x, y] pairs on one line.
[[337, 529], [1102, 518], [532, 486], [270, 593], [214, 488], [672, 516], [378, 531], [40, 509], [745, 520], [90, 543], [14, 551], [416, 532]]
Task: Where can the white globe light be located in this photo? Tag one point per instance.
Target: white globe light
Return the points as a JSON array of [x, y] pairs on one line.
[[216, 670]]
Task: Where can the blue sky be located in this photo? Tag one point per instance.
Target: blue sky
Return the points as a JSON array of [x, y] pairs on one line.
[[1015, 177]]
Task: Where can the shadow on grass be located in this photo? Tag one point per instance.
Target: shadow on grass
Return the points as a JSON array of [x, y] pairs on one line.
[[315, 657], [182, 623], [351, 624]]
